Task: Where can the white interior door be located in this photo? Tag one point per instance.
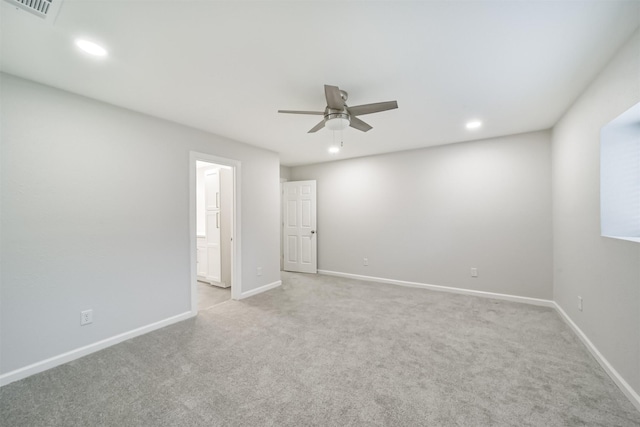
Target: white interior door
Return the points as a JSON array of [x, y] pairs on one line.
[[212, 224], [299, 230]]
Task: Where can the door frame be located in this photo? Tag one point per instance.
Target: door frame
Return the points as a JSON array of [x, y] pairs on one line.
[[236, 247]]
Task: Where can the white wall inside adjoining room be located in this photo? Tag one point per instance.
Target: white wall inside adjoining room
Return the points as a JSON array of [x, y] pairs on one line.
[[430, 215], [95, 215], [605, 272]]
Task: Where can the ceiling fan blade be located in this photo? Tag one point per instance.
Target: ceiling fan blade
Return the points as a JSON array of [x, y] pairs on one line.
[[334, 97], [356, 123], [315, 113], [317, 127], [360, 110]]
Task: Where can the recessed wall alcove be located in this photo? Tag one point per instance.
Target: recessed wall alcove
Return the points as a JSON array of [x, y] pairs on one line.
[[620, 176]]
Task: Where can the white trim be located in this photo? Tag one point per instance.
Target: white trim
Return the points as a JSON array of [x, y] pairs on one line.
[[628, 238], [60, 359], [631, 394], [506, 297], [261, 289], [236, 235]]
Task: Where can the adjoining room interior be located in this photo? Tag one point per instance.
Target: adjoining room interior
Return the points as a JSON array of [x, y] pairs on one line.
[[214, 224], [453, 239]]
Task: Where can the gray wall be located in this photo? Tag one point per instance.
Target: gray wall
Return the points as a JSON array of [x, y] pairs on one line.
[[430, 215], [604, 271], [285, 173], [95, 214]]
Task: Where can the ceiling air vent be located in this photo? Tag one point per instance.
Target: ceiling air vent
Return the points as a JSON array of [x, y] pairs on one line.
[[45, 9]]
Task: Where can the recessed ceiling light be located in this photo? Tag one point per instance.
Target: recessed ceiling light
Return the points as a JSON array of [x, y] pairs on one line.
[[334, 149], [474, 124], [91, 48]]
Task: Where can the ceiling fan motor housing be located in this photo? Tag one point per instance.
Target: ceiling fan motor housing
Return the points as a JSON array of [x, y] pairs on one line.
[[332, 113]]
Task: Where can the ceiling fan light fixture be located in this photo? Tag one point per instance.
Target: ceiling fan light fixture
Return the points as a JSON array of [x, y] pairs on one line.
[[337, 121], [337, 124], [334, 149], [338, 116]]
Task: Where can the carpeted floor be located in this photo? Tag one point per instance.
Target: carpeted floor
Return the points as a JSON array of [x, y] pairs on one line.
[[210, 295], [326, 351]]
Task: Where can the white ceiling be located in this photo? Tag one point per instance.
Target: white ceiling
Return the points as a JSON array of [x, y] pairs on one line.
[[228, 66]]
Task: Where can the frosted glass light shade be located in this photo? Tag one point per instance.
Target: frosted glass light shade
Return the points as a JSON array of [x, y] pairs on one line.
[[338, 123]]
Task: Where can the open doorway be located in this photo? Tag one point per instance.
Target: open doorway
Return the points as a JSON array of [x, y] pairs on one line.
[[214, 230]]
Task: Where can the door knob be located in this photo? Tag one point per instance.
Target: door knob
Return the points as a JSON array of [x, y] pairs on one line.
[[313, 231]]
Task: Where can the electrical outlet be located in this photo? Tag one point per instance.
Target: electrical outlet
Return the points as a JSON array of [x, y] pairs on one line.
[[259, 271], [86, 317], [365, 261], [474, 272], [580, 303]]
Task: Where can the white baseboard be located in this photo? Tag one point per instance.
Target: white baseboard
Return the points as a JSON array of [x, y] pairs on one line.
[[506, 297], [261, 289], [631, 394], [63, 358]]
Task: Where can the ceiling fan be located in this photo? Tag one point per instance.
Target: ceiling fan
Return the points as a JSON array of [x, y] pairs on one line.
[[338, 115]]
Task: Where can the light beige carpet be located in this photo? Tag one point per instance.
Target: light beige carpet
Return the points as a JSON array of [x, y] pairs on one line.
[[210, 295], [333, 352]]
